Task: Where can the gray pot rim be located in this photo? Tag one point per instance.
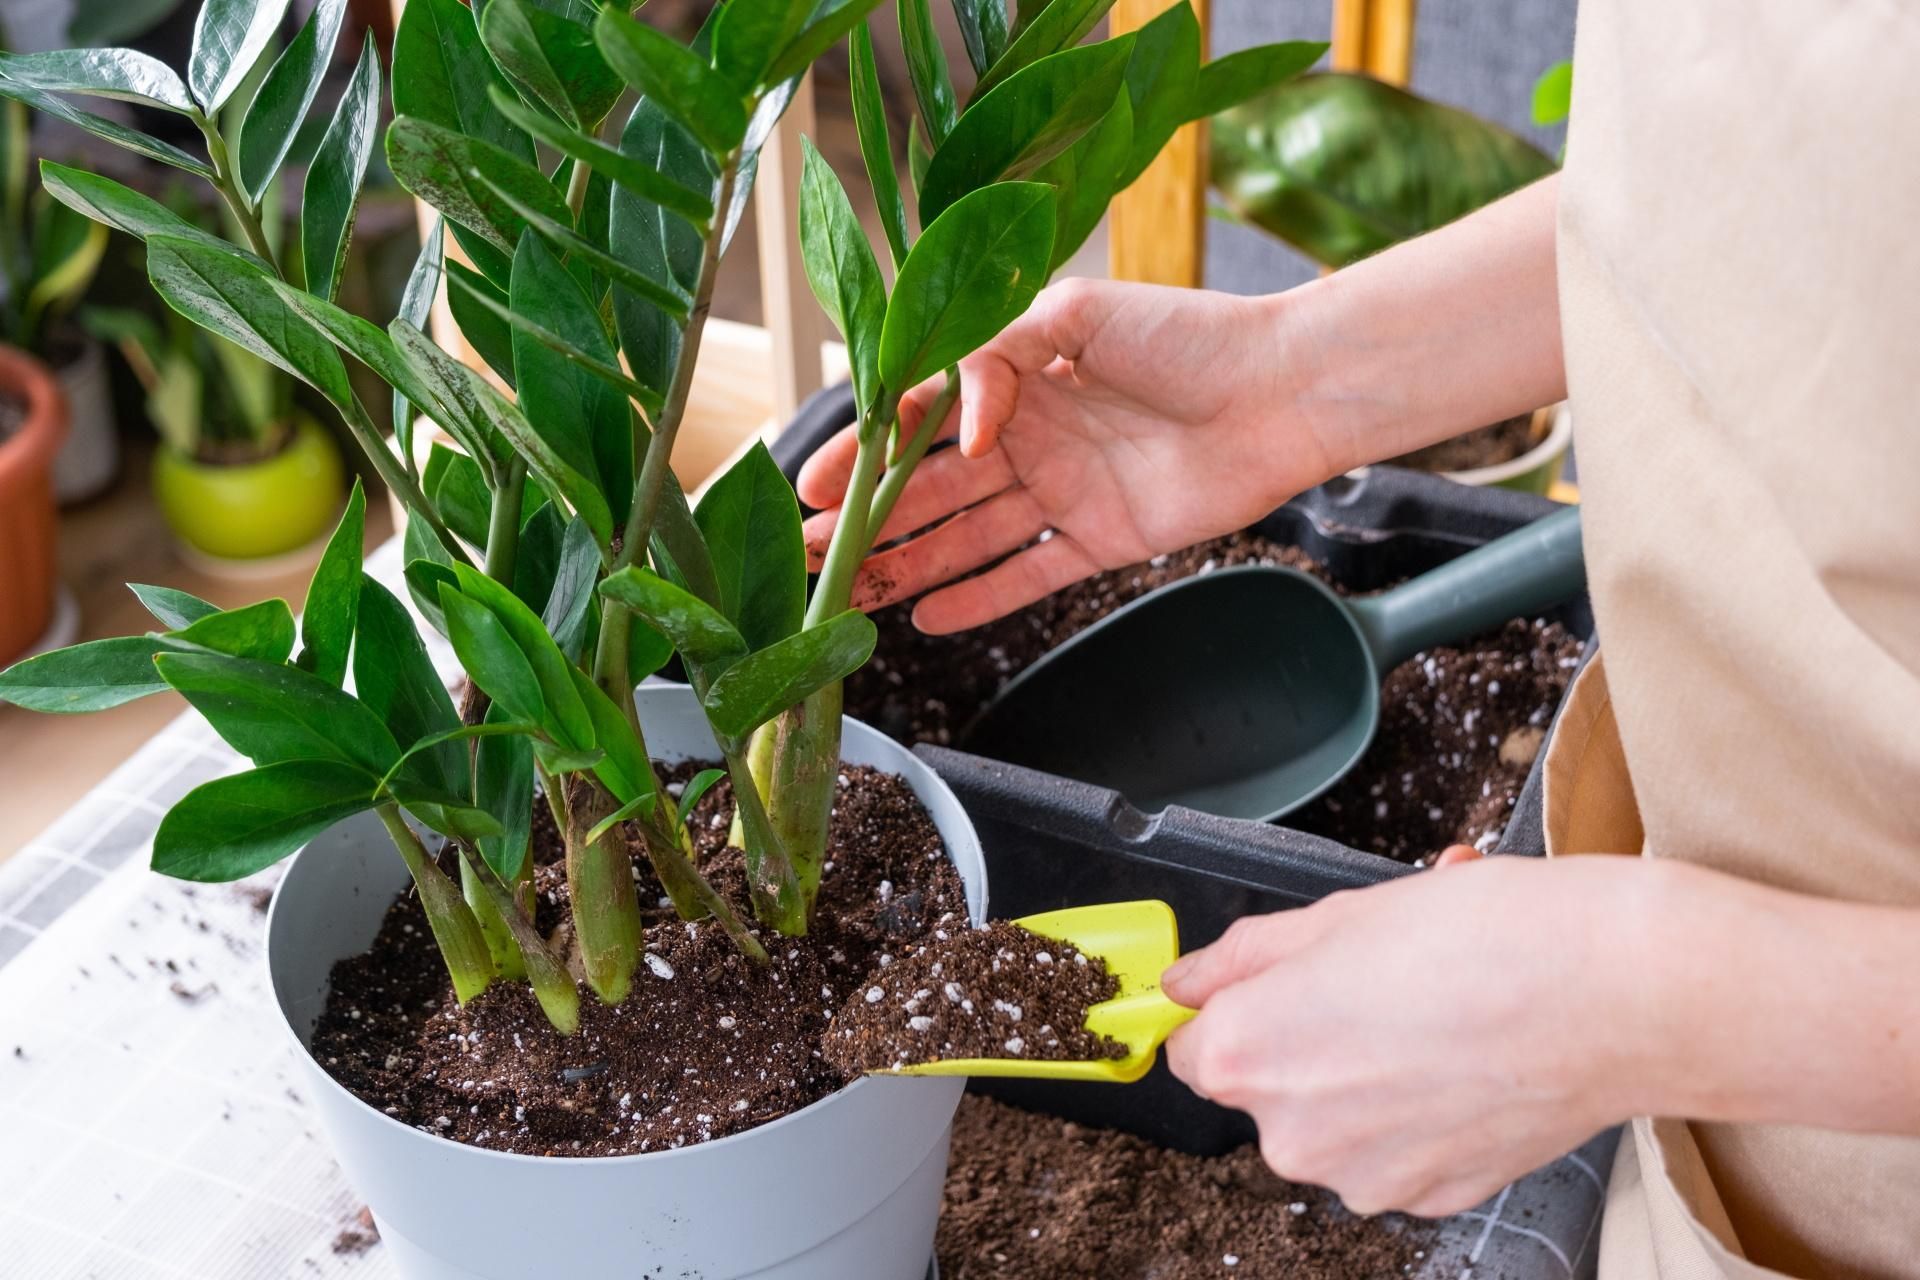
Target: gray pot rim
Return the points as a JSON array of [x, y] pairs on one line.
[[514, 1157]]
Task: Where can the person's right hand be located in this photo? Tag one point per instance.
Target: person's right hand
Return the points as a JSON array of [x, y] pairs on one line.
[[1127, 419]]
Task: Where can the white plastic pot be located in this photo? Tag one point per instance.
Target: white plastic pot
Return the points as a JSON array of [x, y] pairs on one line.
[[845, 1189]]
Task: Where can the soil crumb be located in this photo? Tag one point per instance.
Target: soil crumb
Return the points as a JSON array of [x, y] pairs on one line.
[[706, 1045], [1035, 1196], [357, 1236], [998, 992]]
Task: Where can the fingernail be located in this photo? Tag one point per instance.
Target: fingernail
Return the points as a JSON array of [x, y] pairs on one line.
[[1176, 971]]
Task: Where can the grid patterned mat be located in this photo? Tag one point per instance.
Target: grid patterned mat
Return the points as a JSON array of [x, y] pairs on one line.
[[150, 1120]]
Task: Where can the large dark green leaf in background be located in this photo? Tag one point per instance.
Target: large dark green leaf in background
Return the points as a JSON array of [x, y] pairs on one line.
[[334, 178], [278, 108], [655, 242], [970, 275], [748, 37], [124, 74], [927, 69], [751, 522], [842, 270], [443, 168], [333, 595], [229, 295], [232, 827], [493, 301], [228, 38], [552, 58], [1343, 166], [675, 77], [763, 684], [1060, 25], [143, 144], [876, 147], [270, 712], [569, 602], [983, 27], [834, 19], [453, 483], [583, 419], [442, 74], [1027, 121]]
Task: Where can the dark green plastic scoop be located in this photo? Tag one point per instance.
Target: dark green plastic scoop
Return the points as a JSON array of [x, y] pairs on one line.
[[1249, 691]]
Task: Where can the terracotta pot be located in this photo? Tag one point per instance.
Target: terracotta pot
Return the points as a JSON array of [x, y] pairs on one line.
[[27, 510]]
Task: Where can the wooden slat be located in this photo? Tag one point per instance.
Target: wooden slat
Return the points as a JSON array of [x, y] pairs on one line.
[[1374, 36], [787, 305], [1157, 229]]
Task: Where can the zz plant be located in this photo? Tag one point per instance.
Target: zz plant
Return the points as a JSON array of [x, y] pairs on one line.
[[553, 547]]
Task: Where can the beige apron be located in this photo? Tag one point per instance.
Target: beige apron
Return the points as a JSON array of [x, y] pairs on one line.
[[1739, 259]]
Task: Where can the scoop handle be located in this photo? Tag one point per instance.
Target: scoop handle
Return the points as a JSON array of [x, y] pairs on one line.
[[1532, 568]]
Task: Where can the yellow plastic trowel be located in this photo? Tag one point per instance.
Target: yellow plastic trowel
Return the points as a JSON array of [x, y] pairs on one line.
[[1138, 940]]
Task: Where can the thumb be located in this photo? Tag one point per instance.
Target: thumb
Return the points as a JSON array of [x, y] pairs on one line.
[[1252, 944]]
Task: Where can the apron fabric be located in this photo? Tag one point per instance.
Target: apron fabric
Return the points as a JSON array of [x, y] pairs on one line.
[[1739, 267]]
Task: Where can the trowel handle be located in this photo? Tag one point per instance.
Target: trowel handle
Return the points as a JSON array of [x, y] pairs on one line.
[[1530, 569]]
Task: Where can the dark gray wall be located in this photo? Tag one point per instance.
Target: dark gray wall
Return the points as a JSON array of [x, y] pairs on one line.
[[1482, 55]]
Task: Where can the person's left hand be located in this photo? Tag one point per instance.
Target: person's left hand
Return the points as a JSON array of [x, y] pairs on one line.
[[1418, 1045]]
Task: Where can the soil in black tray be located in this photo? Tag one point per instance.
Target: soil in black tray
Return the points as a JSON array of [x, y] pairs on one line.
[[1044, 1199], [1459, 725], [708, 1044], [998, 992]]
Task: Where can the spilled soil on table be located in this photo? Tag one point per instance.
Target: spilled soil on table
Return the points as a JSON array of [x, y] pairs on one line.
[[1459, 728]]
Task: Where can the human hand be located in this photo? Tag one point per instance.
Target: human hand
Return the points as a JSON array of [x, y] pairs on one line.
[[1126, 419], [1418, 1045]]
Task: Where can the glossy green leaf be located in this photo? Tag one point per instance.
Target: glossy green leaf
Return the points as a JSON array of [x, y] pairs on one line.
[[490, 657], [463, 402], [445, 813], [228, 38], [748, 37], [676, 78], [971, 274], [551, 58], [230, 296], [1061, 25], [927, 69], [751, 522], [416, 305], [983, 27], [698, 631], [394, 678], [111, 130], [262, 632], [414, 772], [444, 168], [333, 596], [425, 558], [1026, 122], [1553, 94], [558, 760], [269, 712], [569, 601], [876, 147], [1160, 77], [332, 192], [763, 684], [640, 807], [636, 176], [841, 269], [487, 299], [278, 108], [124, 74], [453, 483], [479, 307], [919, 155], [697, 786], [565, 719], [1085, 178], [101, 674], [537, 557], [442, 74], [234, 826], [1229, 81], [173, 608], [624, 769], [655, 242], [124, 209], [1311, 162], [503, 786], [834, 19]]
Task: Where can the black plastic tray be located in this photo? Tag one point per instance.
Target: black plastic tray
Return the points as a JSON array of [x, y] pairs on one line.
[[1053, 842]]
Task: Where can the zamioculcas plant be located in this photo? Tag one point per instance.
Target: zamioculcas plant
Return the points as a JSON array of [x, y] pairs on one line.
[[552, 546]]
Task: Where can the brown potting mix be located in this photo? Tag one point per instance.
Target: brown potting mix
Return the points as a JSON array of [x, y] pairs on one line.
[[1040, 1198], [998, 992]]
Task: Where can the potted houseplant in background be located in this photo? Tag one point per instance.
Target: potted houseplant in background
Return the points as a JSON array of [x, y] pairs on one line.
[[558, 556], [1341, 166]]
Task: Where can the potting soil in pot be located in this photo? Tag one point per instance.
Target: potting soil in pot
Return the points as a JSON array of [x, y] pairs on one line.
[[998, 992], [1038, 1197], [1459, 724], [708, 1044]]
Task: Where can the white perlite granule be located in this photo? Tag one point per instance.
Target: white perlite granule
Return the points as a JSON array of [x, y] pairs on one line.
[[659, 965], [920, 1023]]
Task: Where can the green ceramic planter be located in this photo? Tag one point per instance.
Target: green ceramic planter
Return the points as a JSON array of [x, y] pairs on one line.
[[1534, 471], [255, 510]]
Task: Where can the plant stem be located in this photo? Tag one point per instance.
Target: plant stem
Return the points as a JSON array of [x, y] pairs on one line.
[[708, 897], [396, 477], [494, 926], [577, 178], [900, 470], [779, 898], [223, 181], [552, 985], [462, 946], [503, 522], [606, 914], [851, 536]]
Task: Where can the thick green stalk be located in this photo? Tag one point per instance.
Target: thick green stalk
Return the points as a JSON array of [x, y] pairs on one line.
[[462, 946], [900, 470], [606, 914], [552, 985], [503, 522], [223, 181], [772, 880], [676, 868], [495, 928]]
